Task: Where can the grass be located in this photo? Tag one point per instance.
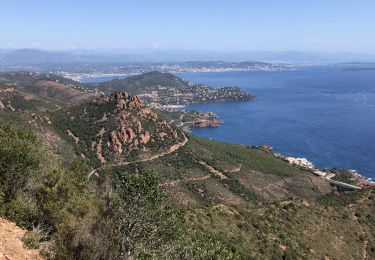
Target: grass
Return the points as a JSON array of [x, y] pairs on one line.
[[262, 177], [223, 155], [290, 228]]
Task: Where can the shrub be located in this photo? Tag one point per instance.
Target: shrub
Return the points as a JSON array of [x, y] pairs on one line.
[[21, 210], [19, 158], [34, 237]]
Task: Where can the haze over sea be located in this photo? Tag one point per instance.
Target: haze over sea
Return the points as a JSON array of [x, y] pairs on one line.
[[323, 113]]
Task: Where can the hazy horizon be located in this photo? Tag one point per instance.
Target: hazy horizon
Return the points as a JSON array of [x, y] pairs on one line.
[[119, 51], [220, 26], [24, 56]]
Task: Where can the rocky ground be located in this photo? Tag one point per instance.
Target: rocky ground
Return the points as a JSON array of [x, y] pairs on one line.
[[11, 245]]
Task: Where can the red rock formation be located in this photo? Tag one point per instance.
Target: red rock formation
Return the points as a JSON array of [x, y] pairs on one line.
[[123, 101], [175, 135], [147, 113], [117, 146], [134, 103], [124, 115], [130, 117], [162, 135], [75, 138], [206, 123], [99, 146], [103, 119], [99, 152], [144, 138], [2, 106], [11, 107], [121, 104], [129, 135]]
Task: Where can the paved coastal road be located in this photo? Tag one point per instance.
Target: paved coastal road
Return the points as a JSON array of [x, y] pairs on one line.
[[343, 184]]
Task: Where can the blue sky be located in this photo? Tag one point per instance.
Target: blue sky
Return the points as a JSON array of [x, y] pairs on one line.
[[223, 25]]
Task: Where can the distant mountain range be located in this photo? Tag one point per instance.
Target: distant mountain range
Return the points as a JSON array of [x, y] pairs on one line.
[[30, 57], [33, 57], [263, 56]]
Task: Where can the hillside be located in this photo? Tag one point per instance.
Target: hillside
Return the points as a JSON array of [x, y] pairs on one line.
[[236, 202], [206, 173], [116, 129], [34, 91], [164, 89], [28, 99], [331, 227]]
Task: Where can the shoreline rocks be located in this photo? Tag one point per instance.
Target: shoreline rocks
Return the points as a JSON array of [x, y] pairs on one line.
[[206, 123]]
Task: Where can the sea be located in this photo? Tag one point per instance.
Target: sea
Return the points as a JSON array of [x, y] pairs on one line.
[[325, 114]]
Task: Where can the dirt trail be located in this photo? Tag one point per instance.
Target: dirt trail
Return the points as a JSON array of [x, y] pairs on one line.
[[171, 149], [11, 245], [237, 169], [99, 146], [214, 171], [210, 168], [174, 183]]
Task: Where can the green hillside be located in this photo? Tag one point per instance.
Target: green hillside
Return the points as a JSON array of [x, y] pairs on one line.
[[44, 87]]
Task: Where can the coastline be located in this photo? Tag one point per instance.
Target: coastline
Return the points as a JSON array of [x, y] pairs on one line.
[[360, 180], [80, 77], [360, 175]]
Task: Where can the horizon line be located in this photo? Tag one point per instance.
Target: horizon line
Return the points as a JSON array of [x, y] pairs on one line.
[[185, 50]]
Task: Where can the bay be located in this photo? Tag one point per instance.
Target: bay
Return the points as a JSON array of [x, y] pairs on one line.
[[323, 113]]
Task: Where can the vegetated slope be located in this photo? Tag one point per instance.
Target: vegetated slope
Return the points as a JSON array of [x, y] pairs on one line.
[[75, 216], [260, 206], [27, 98], [143, 82], [332, 227], [70, 216], [166, 89], [34, 91], [116, 128], [206, 173]]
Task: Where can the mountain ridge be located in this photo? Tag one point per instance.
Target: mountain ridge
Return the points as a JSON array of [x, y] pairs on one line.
[[38, 56]]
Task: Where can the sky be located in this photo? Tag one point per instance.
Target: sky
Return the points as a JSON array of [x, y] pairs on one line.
[[219, 25]]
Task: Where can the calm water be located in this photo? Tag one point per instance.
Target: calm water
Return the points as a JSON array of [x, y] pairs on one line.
[[326, 114], [99, 79]]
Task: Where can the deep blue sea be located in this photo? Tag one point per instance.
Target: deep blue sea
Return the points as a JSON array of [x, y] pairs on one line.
[[324, 113]]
